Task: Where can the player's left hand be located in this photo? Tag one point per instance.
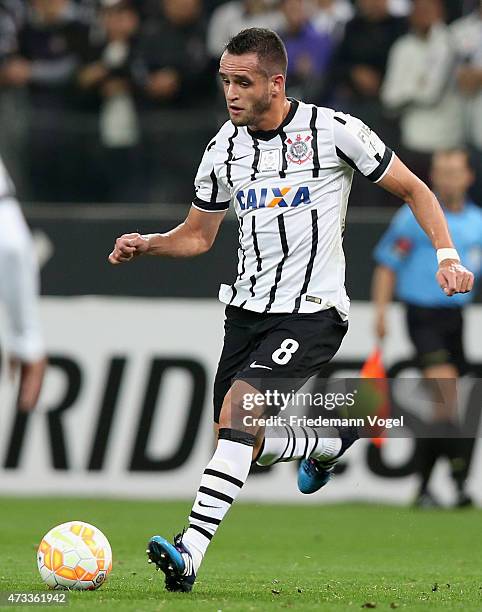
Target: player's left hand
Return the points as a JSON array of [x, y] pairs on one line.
[[454, 278]]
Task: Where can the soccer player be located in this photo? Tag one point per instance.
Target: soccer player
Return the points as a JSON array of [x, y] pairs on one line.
[[19, 288], [286, 167], [434, 321]]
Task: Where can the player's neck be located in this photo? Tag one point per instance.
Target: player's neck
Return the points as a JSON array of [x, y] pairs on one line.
[[273, 119]]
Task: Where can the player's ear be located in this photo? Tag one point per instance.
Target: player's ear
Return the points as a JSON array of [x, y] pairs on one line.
[[277, 84]]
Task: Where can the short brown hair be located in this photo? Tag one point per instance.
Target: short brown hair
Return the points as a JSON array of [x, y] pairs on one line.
[[267, 45]]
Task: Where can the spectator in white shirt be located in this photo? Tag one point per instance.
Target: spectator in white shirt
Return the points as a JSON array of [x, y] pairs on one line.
[[467, 39], [420, 85]]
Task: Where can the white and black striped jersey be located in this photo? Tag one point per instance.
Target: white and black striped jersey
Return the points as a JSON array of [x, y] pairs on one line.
[[290, 189]]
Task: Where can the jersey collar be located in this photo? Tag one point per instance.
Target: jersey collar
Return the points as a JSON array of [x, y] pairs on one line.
[[269, 134]]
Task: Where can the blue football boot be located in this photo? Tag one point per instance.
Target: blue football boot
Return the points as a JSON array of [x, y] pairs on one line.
[[174, 560], [314, 474]]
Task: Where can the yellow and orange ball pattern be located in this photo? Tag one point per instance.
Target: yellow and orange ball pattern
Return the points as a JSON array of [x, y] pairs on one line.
[[74, 555]]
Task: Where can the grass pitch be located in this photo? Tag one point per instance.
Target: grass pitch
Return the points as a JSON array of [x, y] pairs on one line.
[[333, 557]]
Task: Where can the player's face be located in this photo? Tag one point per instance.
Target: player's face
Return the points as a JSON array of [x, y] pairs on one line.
[[451, 177], [248, 91]]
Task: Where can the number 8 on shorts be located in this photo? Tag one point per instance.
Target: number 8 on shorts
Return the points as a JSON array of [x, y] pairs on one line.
[[283, 355]]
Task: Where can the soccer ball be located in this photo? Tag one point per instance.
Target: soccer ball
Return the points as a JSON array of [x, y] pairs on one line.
[[74, 555]]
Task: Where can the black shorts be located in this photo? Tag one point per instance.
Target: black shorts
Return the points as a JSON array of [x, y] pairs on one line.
[[275, 348], [436, 334]]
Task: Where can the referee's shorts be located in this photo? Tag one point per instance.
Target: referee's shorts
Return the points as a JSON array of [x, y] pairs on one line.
[[436, 334]]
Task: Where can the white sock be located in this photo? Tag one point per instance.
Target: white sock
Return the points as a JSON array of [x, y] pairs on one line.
[[221, 483], [288, 443]]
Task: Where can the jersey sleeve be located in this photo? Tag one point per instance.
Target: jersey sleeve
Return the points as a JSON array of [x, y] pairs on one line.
[[210, 193], [360, 148], [398, 241]]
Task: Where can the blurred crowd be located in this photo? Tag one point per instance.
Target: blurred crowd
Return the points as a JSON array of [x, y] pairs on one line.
[[114, 100]]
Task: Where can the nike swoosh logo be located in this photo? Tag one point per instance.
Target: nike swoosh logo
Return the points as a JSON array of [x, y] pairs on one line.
[[258, 365], [207, 505], [242, 157]]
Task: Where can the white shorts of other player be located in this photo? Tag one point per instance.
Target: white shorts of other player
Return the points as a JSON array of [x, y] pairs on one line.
[[19, 284]]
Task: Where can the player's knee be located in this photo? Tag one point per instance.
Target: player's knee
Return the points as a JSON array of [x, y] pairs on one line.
[[231, 416], [236, 411]]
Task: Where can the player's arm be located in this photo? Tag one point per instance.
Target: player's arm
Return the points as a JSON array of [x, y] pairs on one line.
[[193, 237], [360, 148], [197, 233], [383, 288], [452, 276]]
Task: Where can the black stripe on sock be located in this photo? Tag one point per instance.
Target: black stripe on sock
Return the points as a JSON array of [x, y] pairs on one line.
[[309, 267], [235, 435], [314, 142], [286, 447], [279, 268], [294, 442], [340, 120], [284, 161], [255, 244], [230, 155], [204, 532], [316, 438], [256, 158], [231, 479], [216, 494], [205, 519], [307, 439]]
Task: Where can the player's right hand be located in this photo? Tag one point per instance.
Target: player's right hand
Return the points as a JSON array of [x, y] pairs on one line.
[[454, 278], [127, 247]]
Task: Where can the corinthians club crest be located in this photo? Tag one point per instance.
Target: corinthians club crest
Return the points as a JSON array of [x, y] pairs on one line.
[[300, 149]]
